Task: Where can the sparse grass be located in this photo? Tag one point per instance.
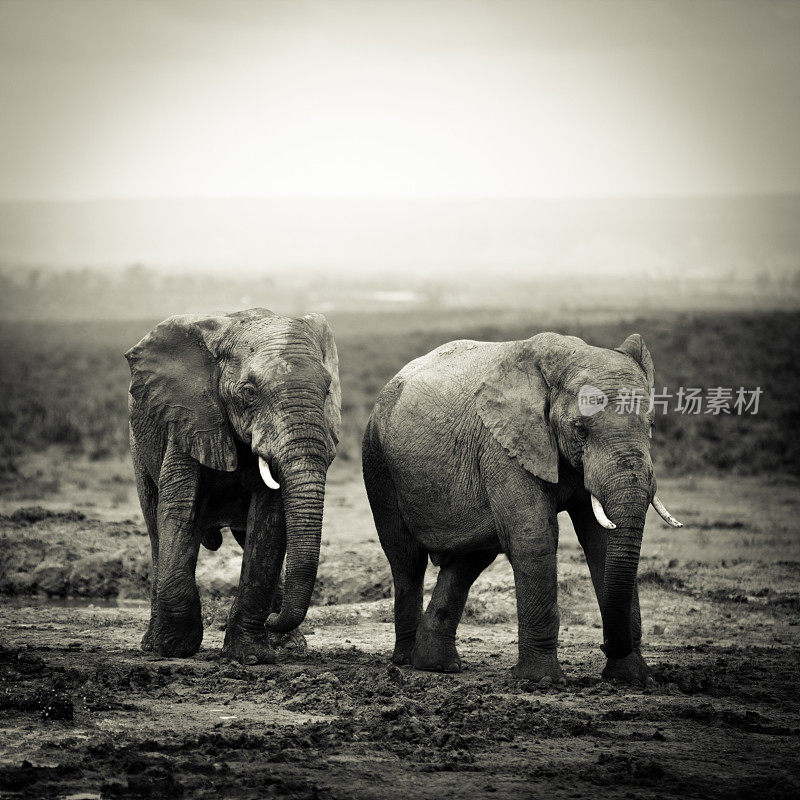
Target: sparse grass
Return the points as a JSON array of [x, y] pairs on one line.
[[382, 611], [482, 609], [215, 611], [332, 615]]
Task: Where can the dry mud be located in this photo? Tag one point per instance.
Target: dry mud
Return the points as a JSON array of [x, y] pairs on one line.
[[86, 714]]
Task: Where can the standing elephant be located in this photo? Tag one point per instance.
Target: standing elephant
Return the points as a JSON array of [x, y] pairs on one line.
[[473, 449], [219, 405]]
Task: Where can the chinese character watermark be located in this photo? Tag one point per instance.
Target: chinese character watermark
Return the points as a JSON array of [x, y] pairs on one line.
[[693, 400]]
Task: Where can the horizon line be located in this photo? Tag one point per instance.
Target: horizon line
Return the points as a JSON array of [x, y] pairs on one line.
[[401, 197]]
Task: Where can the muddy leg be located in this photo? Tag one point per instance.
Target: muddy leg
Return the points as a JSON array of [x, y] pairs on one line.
[[593, 537], [178, 631], [148, 500], [528, 530], [407, 561], [535, 581], [293, 640], [246, 638], [406, 558], [435, 646]]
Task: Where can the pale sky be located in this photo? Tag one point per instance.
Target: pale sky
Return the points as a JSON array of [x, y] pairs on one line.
[[118, 99]]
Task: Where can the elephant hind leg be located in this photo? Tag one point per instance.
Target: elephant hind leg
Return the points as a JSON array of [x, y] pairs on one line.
[[435, 647], [406, 557], [408, 562]]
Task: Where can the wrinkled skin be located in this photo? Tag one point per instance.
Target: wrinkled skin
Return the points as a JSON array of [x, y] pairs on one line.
[[209, 396], [472, 450]]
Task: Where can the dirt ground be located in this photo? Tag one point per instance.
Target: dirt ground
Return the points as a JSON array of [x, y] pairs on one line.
[[86, 714]]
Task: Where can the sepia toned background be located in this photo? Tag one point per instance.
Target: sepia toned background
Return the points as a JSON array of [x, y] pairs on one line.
[[418, 172]]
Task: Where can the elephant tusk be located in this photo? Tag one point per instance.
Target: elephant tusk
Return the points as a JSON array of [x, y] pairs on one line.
[[600, 515], [664, 514], [266, 475]]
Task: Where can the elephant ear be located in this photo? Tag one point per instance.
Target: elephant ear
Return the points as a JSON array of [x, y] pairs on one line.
[[513, 403], [330, 360], [635, 347], [174, 382]]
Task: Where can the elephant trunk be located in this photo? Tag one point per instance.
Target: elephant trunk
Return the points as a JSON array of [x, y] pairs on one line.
[[621, 485], [627, 508], [300, 466]]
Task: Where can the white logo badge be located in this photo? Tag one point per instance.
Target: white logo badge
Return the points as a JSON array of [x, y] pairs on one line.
[[591, 400]]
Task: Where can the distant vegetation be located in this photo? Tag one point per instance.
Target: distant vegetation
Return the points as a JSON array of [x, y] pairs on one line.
[[141, 292], [66, 383], [132, 293]]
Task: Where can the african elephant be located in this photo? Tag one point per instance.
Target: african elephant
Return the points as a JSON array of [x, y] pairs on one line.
[[218, 405], [473, 449]]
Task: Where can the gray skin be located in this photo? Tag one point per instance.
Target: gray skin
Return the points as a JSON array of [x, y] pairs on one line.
[[209, 395], [472, 450]]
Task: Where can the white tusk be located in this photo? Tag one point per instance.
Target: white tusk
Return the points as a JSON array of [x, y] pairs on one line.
[[664, 514], [266, 475], [600, 515]]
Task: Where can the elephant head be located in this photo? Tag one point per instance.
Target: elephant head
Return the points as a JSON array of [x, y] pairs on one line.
[[251, 389], [534, 402]]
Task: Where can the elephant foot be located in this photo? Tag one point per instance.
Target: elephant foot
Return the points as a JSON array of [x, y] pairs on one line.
[[632, 670], [539, 669], [403, 649], [293, 642], [177, 636], [435, 653], [248, 648]]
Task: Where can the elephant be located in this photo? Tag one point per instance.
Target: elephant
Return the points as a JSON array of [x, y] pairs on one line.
[[234, 421], [473, 449]]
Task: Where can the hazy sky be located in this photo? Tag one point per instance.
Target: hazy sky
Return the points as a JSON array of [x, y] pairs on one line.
[[163, 99]]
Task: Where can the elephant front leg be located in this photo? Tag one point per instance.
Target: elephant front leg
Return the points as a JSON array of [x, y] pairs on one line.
[[148, 499], [535, 581], [526, 525], [148, 640], [593, 539], [246, 638], [533, 559], [293, 640], [177, 630]]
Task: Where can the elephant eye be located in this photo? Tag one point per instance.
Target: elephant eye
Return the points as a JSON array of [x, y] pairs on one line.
[[248, 393], [580, 428]]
